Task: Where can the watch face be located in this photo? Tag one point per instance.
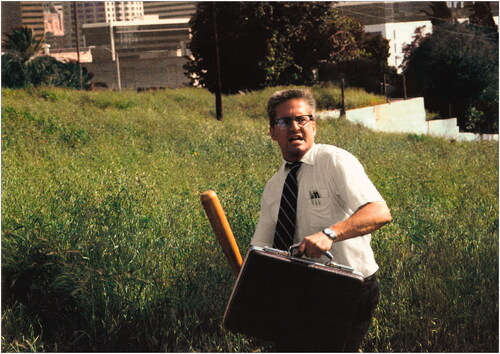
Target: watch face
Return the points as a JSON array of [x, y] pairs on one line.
[[330, 233]]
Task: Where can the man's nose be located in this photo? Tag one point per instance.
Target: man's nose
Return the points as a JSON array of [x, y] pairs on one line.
[[294, 125]]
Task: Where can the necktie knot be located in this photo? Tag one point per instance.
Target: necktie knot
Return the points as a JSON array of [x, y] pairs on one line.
[[291, 166]]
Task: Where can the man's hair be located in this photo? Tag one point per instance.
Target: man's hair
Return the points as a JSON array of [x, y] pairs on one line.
[[279, 97]]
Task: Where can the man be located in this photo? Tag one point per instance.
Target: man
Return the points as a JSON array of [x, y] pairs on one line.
[[323, 195]]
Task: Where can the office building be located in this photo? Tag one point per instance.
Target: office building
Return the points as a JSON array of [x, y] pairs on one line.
[[11, 16], [97, 12], [170, 9], [140, 54]]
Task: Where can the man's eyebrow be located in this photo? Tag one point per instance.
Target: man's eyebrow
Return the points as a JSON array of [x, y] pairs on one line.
[[290, 117]]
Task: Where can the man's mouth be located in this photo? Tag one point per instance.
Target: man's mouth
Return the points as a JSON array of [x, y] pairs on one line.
[[296, 138]]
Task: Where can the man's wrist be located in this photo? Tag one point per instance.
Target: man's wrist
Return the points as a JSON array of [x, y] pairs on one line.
[[330, 233]]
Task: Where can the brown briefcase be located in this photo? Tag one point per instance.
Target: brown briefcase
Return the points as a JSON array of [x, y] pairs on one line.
[[290, 300]]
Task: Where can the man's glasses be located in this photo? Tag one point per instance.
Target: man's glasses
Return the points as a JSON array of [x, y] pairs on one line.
[[286, 122]]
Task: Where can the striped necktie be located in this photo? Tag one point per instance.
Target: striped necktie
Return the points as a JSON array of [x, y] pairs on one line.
[[285, 227]]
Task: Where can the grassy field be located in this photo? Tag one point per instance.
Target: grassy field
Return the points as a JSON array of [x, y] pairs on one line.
[[105, 245]]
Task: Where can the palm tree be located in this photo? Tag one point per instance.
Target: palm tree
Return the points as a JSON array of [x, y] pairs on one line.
[[23, 66], [23, 43], [21, 49]]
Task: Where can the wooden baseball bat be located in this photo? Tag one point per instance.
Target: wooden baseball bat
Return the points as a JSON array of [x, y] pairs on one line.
[[222, 230]]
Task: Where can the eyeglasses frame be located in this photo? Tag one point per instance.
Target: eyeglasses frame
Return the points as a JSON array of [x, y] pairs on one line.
[[289, 119]]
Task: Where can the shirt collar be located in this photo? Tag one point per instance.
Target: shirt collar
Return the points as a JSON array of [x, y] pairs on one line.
[[308, 157]]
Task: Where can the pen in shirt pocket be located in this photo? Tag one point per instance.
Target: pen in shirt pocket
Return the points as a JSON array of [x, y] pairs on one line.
[[315, 197]]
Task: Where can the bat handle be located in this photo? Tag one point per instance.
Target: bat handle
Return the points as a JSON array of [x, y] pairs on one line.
[[222, 230]]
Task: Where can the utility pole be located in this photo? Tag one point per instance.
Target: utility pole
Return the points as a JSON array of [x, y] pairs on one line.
[[404, 86], [342, 89], [218, 98], [78, 45], [385, 89]]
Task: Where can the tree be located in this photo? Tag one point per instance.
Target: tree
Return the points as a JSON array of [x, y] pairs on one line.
[[368, 70], [242, 42], [481, 15], [311, 33], [456, 68], [22, 64], [22, 43], [440, 13], [482, 113], [21, 46], [269, 43]]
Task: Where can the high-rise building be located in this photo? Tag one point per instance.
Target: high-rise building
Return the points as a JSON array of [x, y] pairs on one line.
[[11, 15], [124, 10], [44, 17], [170, 9], [53, 19], [97, 12], [32, 16], [141, 54]]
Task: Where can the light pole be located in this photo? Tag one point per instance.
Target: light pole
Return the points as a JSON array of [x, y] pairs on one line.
[[114, 55], [77, 33], [118, 77]]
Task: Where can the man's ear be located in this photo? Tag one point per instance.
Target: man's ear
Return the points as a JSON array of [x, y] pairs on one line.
[[272, 133]]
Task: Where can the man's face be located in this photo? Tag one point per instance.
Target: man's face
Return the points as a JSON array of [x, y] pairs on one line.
[[295, 141]]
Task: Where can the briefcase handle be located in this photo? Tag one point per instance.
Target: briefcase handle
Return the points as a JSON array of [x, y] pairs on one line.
[[330, 262], [327, 253]]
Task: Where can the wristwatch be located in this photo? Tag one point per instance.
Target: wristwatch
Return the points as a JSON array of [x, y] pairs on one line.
[[330, 233]]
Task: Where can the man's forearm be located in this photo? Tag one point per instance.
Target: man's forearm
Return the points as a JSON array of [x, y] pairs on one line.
[[366, 219]]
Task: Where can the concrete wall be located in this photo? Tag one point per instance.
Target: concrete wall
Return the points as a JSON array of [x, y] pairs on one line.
[[477, 137], [408, 116], [446, 128], [136, 72]]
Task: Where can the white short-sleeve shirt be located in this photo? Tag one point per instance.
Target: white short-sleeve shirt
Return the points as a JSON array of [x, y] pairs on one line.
[[332, 185]]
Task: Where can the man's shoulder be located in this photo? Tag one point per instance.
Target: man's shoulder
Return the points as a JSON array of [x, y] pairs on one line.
[[335, 153], [275, 178], [328, 149]]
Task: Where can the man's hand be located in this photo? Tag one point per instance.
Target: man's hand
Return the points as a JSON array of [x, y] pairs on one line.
[[314, 246], [365, 220]]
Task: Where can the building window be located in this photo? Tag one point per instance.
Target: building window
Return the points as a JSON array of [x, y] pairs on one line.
[[456, 4]]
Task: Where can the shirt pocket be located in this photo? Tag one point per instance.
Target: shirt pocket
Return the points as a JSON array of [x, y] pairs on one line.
[[319, 208]]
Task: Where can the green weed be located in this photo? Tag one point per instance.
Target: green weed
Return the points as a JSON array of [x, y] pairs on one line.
[[105, 245]]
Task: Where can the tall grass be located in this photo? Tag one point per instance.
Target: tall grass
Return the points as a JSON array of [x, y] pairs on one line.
[[105, 246]]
